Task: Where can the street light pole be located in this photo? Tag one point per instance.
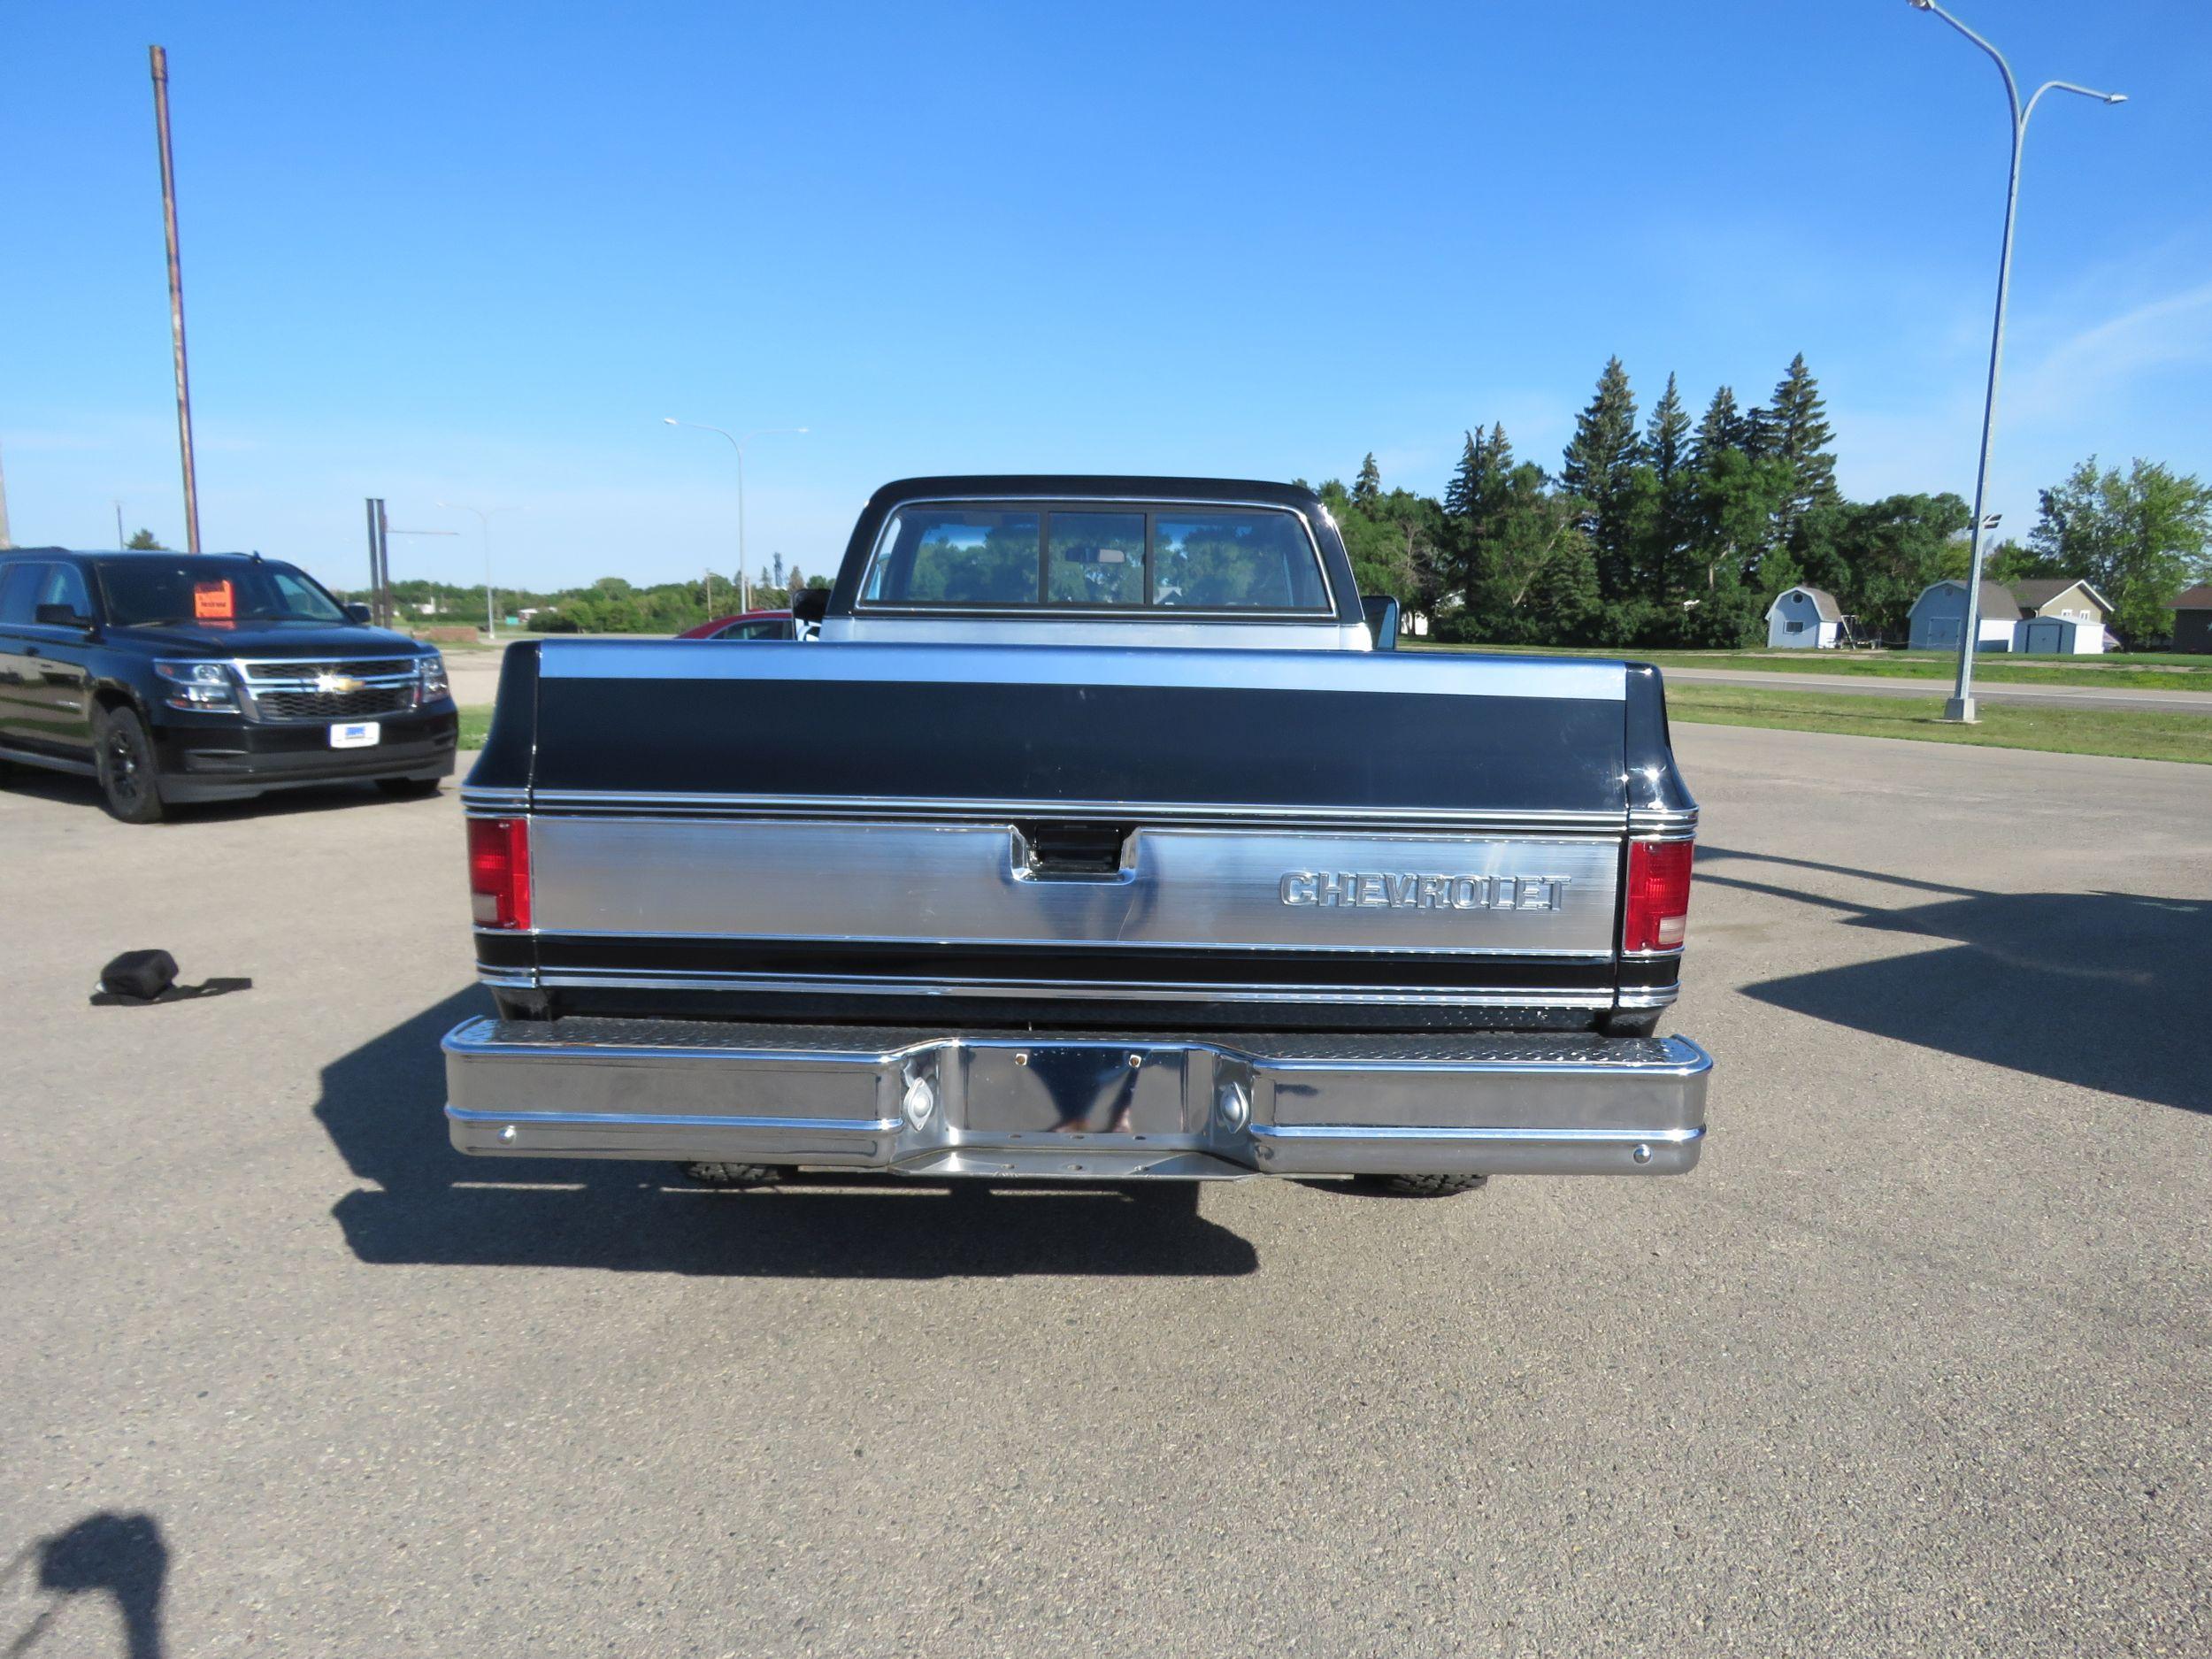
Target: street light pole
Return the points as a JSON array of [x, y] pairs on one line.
[[160, 59], [483, 517], [744, 575], [1961, 707]]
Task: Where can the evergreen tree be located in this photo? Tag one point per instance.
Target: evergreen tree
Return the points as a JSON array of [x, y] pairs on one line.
[[1596, 472], [1666, 434], [1723, 428], [1794, 429], [1367, 488], [144, 541], [1460, 494], [1604, 445]]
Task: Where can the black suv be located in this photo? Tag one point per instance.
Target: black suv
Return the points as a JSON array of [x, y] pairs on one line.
[[175, 677]]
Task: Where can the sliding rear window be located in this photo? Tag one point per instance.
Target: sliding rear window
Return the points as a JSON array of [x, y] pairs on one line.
[[1095, 556]]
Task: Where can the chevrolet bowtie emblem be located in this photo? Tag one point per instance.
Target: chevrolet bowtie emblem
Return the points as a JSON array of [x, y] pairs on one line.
[[337, 683]]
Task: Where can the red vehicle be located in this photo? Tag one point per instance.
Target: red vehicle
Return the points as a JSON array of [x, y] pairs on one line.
[[748, 625]]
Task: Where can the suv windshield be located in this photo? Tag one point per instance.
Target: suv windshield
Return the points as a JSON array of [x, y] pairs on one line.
[[198, 590], [1102, 556]]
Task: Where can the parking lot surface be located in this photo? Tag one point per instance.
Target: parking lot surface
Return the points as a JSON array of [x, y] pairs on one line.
[[1915, 1363]]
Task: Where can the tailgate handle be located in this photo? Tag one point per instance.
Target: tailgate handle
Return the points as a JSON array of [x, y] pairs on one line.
[[1073, 852]]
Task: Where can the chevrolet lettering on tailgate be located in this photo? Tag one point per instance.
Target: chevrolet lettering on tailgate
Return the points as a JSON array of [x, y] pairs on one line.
[[1369, 889]]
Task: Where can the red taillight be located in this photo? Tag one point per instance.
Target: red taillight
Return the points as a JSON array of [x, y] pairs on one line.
[[1658, 906], [499, 872]]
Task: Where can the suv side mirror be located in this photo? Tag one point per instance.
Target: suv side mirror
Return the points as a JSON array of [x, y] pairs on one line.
[[811, 605], [356, 613], [1381, 611], [61, 616]]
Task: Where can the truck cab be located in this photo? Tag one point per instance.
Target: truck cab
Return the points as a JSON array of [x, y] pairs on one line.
[[1199, 563]]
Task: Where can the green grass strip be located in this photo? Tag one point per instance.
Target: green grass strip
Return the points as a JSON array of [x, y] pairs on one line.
[[2146, 734]]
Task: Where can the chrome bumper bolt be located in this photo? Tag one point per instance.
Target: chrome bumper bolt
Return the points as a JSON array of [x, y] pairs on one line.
[[1235, 1107]]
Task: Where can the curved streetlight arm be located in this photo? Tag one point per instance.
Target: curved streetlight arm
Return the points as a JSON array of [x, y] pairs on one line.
[[1962, 704], [744, 576], [484, 521]]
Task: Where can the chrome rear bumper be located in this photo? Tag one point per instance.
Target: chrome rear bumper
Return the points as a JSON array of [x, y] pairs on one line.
[[1076, 1107]]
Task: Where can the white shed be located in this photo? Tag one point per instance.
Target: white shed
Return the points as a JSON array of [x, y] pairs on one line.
[[1802, 617], [1939, 616]]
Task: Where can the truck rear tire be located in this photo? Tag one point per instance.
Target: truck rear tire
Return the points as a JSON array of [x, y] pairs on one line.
[[736, 1174], [1421, 1186]]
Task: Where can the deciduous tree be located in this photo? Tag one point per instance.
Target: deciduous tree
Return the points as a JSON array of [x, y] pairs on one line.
[[2140, 536]]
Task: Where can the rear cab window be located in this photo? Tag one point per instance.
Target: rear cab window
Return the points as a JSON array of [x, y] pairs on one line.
[[1095, 556]]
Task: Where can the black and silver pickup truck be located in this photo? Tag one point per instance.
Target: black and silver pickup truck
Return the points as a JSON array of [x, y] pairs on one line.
[[1096, 838]]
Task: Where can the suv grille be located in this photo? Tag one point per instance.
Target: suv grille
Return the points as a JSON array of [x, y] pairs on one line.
[[335, 705], [310, 690]]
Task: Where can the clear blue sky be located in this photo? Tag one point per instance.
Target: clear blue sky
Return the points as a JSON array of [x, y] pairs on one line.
[[478, 257]]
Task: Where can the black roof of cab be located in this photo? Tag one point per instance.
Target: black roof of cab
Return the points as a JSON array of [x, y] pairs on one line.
[[1096, 487]]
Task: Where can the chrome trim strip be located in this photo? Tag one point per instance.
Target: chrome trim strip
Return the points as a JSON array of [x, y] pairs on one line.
[[550, 802], [1664, 997], [506, 978], [1411, 1132], [1090, 665], [1683, 1058], [1149, 631], [1474, 955], [480, 801], [685, 1120], [329, 656], [1122, 991]]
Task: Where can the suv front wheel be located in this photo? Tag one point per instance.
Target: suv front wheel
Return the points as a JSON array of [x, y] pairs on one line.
[[123, 757]]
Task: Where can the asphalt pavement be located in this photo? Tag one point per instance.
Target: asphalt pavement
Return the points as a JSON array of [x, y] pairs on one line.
[[1915, 1363]]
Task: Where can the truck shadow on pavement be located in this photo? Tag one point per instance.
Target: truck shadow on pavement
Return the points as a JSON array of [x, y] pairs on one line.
[[120, 1556], [382, 1105], [2106, 990]]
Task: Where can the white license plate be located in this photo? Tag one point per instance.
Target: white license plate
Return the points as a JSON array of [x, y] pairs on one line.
[[357, 734]]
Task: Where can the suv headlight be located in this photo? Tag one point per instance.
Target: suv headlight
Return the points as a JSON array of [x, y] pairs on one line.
[[198, 688], [432, 681]]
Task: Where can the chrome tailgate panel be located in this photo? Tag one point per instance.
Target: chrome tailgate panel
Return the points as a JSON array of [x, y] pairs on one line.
[[854, 880]]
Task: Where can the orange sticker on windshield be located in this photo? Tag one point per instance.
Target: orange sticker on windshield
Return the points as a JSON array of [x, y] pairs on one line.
[[212, 602]]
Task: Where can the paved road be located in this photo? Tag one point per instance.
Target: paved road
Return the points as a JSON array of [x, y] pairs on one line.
[[1916, 1364], [2043, 696]]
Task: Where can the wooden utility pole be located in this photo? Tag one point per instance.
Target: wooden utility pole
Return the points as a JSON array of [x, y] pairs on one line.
[[176, 298]]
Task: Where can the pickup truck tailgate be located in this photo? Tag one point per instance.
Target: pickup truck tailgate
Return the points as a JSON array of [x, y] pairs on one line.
[[1252, 839]]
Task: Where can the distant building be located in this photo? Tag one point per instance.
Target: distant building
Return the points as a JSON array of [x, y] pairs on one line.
[[1806, 617], [2068, 618], [2192, 619], [1938, 616], [2045, 615]]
